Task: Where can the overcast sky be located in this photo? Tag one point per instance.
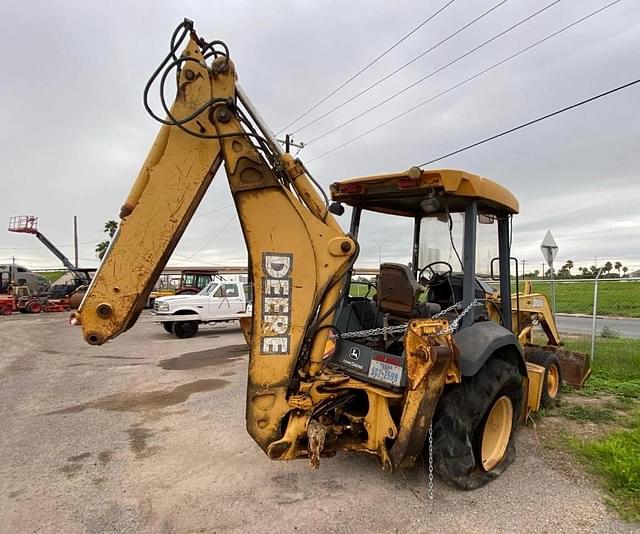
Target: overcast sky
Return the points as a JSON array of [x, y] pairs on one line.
[[74, 132]]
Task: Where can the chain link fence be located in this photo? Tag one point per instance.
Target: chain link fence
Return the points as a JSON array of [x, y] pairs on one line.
[[617, 305]]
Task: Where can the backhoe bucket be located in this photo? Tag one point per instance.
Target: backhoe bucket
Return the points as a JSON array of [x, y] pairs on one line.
[[574, 366]]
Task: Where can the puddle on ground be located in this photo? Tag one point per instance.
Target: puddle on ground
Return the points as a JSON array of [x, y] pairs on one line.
[[79, 457], [71, 470], [119, 357], [105, 457], [96, 365], [148, 400], [204, 358], [75, 464], [138, 437]]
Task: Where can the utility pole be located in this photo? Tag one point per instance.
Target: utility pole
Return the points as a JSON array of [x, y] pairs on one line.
[[288, 143], [75, 238], [524, 262], [379, 245]]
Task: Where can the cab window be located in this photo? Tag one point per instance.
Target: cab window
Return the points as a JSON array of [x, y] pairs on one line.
[[231, 290]]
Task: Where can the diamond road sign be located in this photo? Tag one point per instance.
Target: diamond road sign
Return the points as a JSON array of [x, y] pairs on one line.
[[549, 248]]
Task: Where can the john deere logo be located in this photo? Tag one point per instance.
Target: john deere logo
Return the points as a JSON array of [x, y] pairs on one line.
[[354, 353]]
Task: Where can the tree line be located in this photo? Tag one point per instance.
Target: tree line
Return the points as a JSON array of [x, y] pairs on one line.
[[609, 270]]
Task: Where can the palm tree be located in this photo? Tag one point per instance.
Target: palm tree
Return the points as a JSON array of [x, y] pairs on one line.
[[624, 270], [617, 267], [607, 267], [110, 228], [101, 248], [569, 266]]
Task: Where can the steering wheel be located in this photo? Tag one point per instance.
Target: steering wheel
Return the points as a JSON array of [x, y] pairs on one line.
[[432, 277]]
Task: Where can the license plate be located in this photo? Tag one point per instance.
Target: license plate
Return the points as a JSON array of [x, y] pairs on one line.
[[385, 372]]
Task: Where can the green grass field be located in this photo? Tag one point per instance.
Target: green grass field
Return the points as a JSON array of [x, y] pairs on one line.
[[359, 289], [614, 457], [615, 298]]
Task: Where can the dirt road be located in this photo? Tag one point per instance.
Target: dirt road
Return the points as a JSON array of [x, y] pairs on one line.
[[146, 434]]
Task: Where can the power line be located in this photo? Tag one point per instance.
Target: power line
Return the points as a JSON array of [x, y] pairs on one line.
[[467, 80], [529, 123], [371, 63], [433, 73], [396, 71], [212, 238], [213, 211]]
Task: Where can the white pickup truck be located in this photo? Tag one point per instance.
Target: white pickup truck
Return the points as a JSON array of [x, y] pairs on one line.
[[219, 301]]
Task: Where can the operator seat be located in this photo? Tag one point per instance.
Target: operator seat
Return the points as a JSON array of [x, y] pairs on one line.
[[398, 290]]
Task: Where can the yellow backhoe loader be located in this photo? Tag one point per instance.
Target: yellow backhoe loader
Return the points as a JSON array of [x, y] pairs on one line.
[[430, 364]]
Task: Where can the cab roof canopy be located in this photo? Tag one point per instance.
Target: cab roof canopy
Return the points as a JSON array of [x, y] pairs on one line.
[[405, 193]]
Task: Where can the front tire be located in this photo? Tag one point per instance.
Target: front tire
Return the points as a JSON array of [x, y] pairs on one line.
[[168, 327], [474, 424], [185, 329], [552, 382]]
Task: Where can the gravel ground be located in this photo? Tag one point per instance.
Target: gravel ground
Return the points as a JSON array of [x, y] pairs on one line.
[[146, 434]]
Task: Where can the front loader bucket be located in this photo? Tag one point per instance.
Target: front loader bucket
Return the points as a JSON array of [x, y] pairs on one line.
[[574, 366]]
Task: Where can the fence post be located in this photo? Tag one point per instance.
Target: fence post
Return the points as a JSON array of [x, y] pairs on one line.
[[595, 311], [553, 293]]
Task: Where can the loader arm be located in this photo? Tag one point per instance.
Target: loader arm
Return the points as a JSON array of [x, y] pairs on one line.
[[298, 254]]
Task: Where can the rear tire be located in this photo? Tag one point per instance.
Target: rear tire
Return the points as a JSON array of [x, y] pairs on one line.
[[460, 422], [552, 382], [34, 307], [168, 327], [185, 329]]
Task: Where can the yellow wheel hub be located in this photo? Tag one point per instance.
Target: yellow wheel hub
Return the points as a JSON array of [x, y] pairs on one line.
[[553, 381], [496, 433]]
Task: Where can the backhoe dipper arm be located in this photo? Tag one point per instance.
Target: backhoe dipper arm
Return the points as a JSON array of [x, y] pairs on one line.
[[298, 254]]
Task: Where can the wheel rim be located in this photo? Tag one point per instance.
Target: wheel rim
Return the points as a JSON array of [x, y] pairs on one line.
[[496, 433], [553, 380]]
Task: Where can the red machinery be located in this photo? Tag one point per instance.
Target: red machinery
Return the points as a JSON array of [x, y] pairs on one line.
[[7, 304]]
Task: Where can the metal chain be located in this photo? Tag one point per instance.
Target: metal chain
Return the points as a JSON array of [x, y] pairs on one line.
[[453, 325], [400, 329], [430, 486], [396, 329]]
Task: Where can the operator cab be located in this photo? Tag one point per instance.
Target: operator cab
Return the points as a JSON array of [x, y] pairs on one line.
[[461, 223]]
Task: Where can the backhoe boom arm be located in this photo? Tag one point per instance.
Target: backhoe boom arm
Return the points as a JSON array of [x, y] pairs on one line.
[[298, 254]]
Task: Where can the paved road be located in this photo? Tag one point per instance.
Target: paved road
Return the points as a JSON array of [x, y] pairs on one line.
[[569, 324], [147, 434]]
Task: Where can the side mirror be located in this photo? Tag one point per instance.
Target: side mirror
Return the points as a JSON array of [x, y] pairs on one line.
[[336, 208]]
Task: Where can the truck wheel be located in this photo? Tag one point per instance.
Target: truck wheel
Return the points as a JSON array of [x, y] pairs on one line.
[[185, 329], [34, 307], [168, 327], [552, 382], [7, 310], [474, 424]]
